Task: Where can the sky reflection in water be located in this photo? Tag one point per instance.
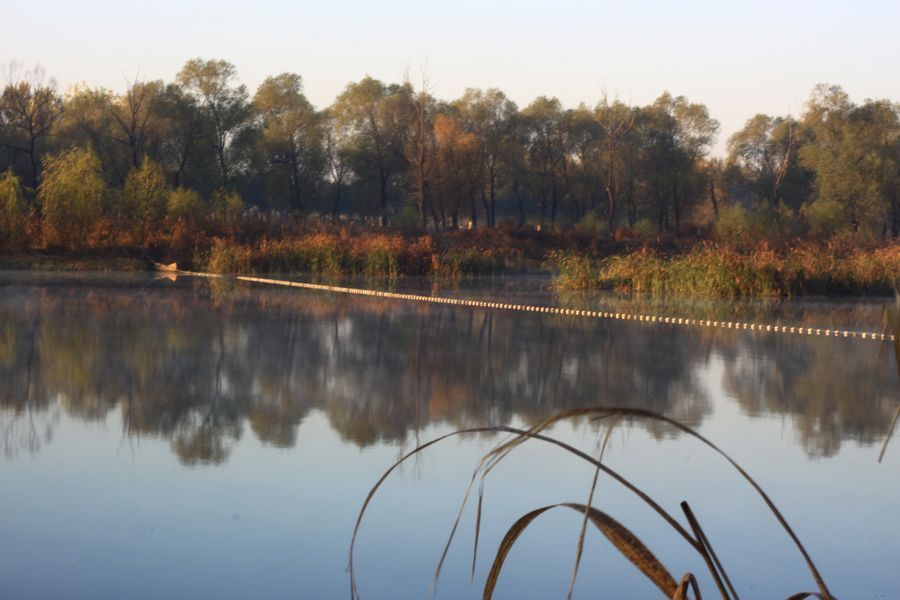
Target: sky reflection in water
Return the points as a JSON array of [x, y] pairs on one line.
[[166, 439]]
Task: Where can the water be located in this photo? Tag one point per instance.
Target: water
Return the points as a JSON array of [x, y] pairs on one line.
[[172, 439]]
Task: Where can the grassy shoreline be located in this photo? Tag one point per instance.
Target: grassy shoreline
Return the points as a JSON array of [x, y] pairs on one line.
[[665, 268], [40, 260], [726, 272]]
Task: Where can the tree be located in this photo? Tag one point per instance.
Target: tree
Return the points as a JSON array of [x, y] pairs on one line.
[[457, 176], [419, 148], [377, 118], [142, 205], [29, 109], [547, 147], [855, 155], [186, 206], [336, 148], [136, 118], [88, 123], [211, 82], [585, 157], [491, 116], [616, 120], [766, 153], [13, 211], [71, 196], [290, 131], [183, 126], [675, 137]]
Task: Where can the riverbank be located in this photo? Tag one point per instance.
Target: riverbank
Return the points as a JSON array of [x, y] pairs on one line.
[[722, 271], [37, 260], [661, 268]]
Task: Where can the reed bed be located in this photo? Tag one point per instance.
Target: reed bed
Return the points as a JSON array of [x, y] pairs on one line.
[[374, 254], [723, 271]]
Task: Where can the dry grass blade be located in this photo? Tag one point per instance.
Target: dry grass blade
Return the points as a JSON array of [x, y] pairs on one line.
[[603, 412], [709, 555], [621, 538], [688, 581], [354, 590], [646, 414], [890, 434], [459, 514], [477, 528], [892, 323], [506, 545], [590, 502], [492, 458]]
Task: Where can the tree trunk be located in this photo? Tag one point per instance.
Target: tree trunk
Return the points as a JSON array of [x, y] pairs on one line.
[[712, 197], [335, 207]]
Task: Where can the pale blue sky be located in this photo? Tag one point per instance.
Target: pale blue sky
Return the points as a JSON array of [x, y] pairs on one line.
[[738, 59]]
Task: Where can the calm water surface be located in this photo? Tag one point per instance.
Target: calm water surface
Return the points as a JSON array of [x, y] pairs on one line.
[[168, 439]]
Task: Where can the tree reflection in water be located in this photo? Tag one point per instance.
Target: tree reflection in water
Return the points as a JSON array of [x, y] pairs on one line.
[[193, 365]]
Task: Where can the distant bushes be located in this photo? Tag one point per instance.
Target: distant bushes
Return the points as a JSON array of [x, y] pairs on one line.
[[71, 195], [321, 254], [573, 271], [371, 254], [143, 201], [13, 212], [716, 270]]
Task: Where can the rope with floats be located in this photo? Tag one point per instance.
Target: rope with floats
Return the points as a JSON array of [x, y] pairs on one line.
[[553, 310]]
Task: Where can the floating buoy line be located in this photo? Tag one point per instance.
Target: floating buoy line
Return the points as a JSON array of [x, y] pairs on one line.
[[553, 310]]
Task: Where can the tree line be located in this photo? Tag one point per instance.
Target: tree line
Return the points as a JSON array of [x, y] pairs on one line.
[[393, 154]]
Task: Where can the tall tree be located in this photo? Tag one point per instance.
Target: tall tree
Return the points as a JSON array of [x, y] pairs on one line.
[[336, 149], [290, 132], [136, 119], [766, 153], [855, 154], [377, 119], [212, 82], [491, 116], [184, 125], [676, 136], [29, 109], [548, 145], [419, 149], [456, 173], [616, 120]]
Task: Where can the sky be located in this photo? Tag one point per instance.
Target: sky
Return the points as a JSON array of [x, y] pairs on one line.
[[738, 58]]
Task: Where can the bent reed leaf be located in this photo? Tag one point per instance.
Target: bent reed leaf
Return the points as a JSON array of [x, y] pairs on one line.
[[619, 536], [492, 458], [688, 581]]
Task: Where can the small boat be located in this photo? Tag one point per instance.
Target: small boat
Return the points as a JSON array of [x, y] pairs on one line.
[[168, 267]]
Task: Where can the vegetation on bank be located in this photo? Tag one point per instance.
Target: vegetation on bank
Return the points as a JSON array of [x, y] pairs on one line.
[[392, 154], [725, 271], [389, 181]]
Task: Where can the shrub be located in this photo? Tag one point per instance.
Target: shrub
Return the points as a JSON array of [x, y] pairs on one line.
[[227, 207], [13, 212], [71, 195], [142, 204], [407, 218], [823, 217], [185, 205], [380, 255], [228, 259], [644, 229], [573, 271], [591, 224], [733, 224]]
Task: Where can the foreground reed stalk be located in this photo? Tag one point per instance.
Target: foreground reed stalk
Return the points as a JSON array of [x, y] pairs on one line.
[[625, 542]]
